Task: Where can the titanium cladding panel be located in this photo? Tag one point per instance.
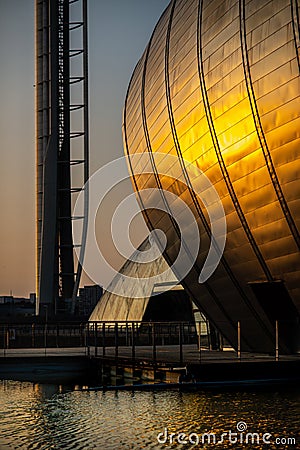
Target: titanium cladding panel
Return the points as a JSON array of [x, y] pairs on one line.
[[218, 87]]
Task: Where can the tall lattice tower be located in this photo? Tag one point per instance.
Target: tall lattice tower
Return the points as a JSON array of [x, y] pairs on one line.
[[62, 144]]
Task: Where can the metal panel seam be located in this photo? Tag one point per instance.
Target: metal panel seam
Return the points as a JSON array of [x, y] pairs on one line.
[[218, 152], [259, 129], [187, 178], [295, 26]]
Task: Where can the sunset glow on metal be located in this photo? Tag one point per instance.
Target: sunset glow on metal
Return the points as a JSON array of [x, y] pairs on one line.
[[218, 87]]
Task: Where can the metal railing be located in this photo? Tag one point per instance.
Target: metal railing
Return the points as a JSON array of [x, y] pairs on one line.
[[46, 335], [141, 339], [151, 341]]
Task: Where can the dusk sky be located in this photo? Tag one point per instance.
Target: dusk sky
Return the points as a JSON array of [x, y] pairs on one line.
[[118, 33]]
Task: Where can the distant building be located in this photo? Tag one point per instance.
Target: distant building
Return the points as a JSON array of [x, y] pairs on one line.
[[6, 299], [15, 307], [88, 299], [11, 300]]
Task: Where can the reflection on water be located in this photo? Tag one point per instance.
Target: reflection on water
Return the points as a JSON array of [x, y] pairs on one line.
[[47, 417]]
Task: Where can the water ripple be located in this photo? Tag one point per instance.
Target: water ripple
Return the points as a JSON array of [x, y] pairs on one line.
[[41, 417]]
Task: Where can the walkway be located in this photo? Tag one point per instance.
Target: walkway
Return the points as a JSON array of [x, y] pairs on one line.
[[163, 354]]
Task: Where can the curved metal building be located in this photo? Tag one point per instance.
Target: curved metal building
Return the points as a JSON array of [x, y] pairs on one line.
[[218, 86], [132, 303]]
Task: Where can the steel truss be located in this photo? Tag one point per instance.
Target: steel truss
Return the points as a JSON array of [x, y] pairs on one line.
[[62, 144]]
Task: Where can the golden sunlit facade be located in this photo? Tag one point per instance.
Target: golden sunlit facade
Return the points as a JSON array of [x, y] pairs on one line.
[[218, 86]]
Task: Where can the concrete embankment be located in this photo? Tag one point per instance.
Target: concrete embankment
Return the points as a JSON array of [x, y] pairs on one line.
[[67, 366]]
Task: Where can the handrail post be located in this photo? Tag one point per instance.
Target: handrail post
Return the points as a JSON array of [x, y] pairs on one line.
[[32, 335], [199, 340], [45, 338], [87, 342], [116, 340], [4, 340], [133, 341], [153, 343], [276, 341], [239, 340], [95, 338], [103, 339], [180, 344]]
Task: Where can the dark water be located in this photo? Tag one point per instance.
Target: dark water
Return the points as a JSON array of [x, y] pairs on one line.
[[35, 416]]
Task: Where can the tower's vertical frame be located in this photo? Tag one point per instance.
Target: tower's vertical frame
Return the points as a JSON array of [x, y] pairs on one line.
[[61, 144]]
